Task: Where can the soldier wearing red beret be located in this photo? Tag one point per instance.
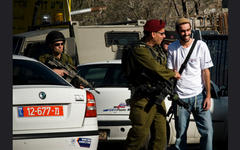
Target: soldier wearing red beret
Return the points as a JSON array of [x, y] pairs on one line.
[[145, 115]]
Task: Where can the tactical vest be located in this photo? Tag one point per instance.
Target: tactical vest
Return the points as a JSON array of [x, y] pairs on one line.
[[144, 83], [158, 54], [65, 59]]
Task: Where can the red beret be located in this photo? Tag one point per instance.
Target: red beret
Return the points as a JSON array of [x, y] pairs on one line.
[[154, 25]]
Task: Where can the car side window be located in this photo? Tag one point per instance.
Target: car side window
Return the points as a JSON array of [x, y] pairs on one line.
[[115, 77], [95, 75], [36, 49], [105, 75]]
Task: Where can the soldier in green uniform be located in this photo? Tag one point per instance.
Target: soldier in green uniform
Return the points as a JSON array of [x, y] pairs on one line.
[[146, 116], [55, 41]]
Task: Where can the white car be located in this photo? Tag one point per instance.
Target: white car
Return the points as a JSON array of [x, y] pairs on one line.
[[49, 113], [113, 113]]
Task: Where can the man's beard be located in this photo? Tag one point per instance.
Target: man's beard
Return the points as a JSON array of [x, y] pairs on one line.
[[184, 39], [157, 42], [57, 52]]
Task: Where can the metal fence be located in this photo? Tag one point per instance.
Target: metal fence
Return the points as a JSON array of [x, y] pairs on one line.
[[217, 45]]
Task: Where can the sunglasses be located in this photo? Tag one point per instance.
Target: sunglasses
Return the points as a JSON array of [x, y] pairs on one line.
[[161, 33], [58, 44]]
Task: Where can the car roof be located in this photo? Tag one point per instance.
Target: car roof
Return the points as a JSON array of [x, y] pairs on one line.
[[37, 33], [23, 58], [117, 61]]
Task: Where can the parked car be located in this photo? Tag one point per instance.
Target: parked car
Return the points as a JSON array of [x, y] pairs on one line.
[[113, 113], [48, 112]]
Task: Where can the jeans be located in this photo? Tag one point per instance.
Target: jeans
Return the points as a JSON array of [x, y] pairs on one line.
[[203, 121]]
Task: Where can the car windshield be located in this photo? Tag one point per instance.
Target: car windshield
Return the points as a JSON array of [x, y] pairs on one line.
[[34, 73], [103, 75]]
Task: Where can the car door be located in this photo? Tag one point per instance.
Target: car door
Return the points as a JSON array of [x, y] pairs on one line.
[[109, 81]]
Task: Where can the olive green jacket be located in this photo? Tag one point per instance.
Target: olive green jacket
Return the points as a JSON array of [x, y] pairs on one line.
[[144, 56], [65, 59]]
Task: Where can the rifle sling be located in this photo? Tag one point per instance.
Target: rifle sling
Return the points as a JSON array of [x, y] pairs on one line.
[[183, 66]]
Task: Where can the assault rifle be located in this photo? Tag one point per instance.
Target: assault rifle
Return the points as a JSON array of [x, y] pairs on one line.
[[161, 89], [72, 76]]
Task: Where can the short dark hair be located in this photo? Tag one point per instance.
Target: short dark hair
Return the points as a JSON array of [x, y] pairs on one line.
[[146, 35]]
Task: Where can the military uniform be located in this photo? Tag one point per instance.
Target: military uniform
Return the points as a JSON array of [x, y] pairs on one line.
[[65, 59], [162, 54], [145, 57]]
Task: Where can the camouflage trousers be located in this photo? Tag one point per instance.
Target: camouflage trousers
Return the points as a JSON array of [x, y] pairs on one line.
[[145, 117]]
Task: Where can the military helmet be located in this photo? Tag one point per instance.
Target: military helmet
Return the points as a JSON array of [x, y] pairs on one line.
[[54, 36]]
